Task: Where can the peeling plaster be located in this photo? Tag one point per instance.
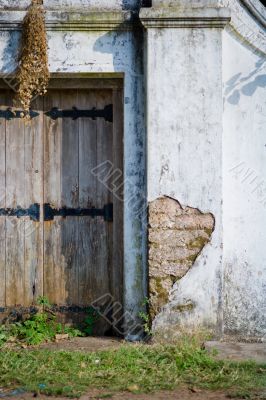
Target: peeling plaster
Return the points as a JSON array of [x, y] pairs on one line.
[[177, 235]]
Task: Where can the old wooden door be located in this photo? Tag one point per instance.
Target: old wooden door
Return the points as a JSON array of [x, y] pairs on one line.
[[72, 251]]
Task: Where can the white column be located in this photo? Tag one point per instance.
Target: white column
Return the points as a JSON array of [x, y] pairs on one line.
[[184, 139]]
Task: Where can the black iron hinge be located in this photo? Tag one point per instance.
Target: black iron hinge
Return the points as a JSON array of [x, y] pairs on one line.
[[106, 212], [75, 113], [49, 212], [10, 114], [55, 113], [33, 212]]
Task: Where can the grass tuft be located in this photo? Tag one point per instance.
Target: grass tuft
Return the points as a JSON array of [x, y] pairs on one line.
[[146, 367]]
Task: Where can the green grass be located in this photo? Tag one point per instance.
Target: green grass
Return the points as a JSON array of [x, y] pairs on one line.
[[144, 367]]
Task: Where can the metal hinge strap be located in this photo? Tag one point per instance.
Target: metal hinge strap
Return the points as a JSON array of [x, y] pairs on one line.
[[55, 113], [106, 212], [33, 212], [75, 113], [10, 114], [49, 213]]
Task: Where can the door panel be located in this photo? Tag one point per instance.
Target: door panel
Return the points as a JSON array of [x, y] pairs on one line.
[[61, 190], [71, 260], [78, 251]]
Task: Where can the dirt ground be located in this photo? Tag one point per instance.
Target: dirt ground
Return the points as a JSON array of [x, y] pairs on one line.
[[86, 344], [182, 394]]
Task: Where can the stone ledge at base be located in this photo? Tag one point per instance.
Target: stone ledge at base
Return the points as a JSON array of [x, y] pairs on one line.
[[238, 351]]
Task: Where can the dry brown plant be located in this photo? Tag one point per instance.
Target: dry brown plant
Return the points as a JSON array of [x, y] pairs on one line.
[[33, 71]]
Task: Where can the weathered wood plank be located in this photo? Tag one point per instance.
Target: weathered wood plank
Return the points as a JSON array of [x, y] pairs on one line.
[[70, 198], [54, 282], [87, 191], [2, 201], [102, 276], [15, 196], [33, 194], [118, 184]]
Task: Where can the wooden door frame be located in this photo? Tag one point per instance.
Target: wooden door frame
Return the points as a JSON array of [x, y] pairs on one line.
[[76, 81], [114, 82]]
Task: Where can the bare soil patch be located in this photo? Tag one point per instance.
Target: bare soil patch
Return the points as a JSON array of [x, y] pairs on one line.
[[86, 344], [181, 394]]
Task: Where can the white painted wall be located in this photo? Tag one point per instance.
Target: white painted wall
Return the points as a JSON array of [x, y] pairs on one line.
[[212, 157], [244, 187], [185, 153]]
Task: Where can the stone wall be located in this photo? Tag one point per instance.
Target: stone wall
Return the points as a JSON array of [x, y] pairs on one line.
[[176, 237]]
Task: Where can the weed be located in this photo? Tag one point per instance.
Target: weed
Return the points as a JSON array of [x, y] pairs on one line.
[[3, 335], [146, 322], [38, 328], [146, 318], [43, 301], [90, 320]]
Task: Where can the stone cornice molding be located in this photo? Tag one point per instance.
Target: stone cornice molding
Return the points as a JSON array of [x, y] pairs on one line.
[[71, 5], [171, 17], [257, 10], [248, 23], [73, 21]]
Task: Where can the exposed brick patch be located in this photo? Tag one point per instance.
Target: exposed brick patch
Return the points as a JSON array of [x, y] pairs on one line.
[[176, 237]]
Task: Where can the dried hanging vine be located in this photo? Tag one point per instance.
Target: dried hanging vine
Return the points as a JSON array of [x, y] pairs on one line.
[[33, 72]]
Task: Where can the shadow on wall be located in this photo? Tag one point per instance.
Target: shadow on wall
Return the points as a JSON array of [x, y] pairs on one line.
[[126, 51], [245, 85], [10, 52], [127, 57], [115, 44]]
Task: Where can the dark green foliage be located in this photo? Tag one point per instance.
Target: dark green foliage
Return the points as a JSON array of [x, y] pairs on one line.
[[92, 317], [38, 328]]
